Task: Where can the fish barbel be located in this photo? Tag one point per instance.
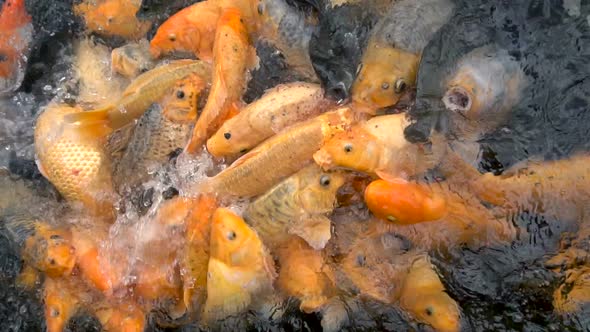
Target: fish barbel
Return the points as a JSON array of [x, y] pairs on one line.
[[278, 157]]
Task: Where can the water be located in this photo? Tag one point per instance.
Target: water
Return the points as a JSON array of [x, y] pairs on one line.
[[499, 286]]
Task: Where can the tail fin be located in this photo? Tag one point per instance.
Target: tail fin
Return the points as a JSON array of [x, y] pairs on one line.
[[95, 123]]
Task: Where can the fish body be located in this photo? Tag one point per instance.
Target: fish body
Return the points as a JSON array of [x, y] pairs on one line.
[[377, 146], [290, 32], [297, 206], [574, 293], [45, 248], [278, 157], [146, 89], [160, 131], [113, 18], [403, 202], [16, 35], [305, 275], [74, 160], [195, 257], [424, 296], [390, 62], [277, 109], [240, 267], [233, 56], [132, 59]]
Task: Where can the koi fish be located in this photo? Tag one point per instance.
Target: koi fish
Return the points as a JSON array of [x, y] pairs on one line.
[[74, 160], [277, 109], [94, 268], [62, 299], [377, 146], [297, 206], [423, 295], [390, 62], [276, 158], [574, 292], [16, 34], [190, 30], [45, 248], [146, 89], [404, 202], [305, 275], [113, 18], [233, 56], [240, 267], [160, 131]]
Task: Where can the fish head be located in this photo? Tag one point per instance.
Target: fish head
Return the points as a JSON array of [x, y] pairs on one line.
[[175, 34], [485, 85], [60, 258], [354, 149], [336, 47], [60, 304], [180, 106], [232, 240], [386, 74], [318, 188], [227, 140], [438, 310]]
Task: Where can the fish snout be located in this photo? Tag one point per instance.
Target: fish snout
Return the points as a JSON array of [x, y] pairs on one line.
[[339, 92], [458, 99], [323, 159]]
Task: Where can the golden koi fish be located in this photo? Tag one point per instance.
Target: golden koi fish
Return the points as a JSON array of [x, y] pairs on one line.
[[298, 206], [377, 146], [277, 109], [74, 160], [278, 157], [146, 89], [233, 57], [113, 18], [240, 267], [160, 131]]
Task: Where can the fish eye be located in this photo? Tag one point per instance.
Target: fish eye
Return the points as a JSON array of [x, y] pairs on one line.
[[227, 135], [231, 235], [180, 94], [429, 311], [55, 237], [385, 86], [325, 180], [54, 312], [400, 85], [110, 20], [348, 147], [52, 261], [172, 37]]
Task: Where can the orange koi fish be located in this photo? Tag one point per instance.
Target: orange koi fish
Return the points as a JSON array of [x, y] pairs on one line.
[[113, 18], [233, 56], [16, 34]]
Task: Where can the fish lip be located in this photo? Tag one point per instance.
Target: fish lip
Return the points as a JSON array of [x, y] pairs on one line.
[[458, 99], [324, 160]]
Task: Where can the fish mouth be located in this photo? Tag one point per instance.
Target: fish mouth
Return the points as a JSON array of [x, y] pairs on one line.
[[324, 160], [458, 99]]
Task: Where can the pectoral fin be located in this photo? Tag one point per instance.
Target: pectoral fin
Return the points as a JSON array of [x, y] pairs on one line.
[[315, 230]]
